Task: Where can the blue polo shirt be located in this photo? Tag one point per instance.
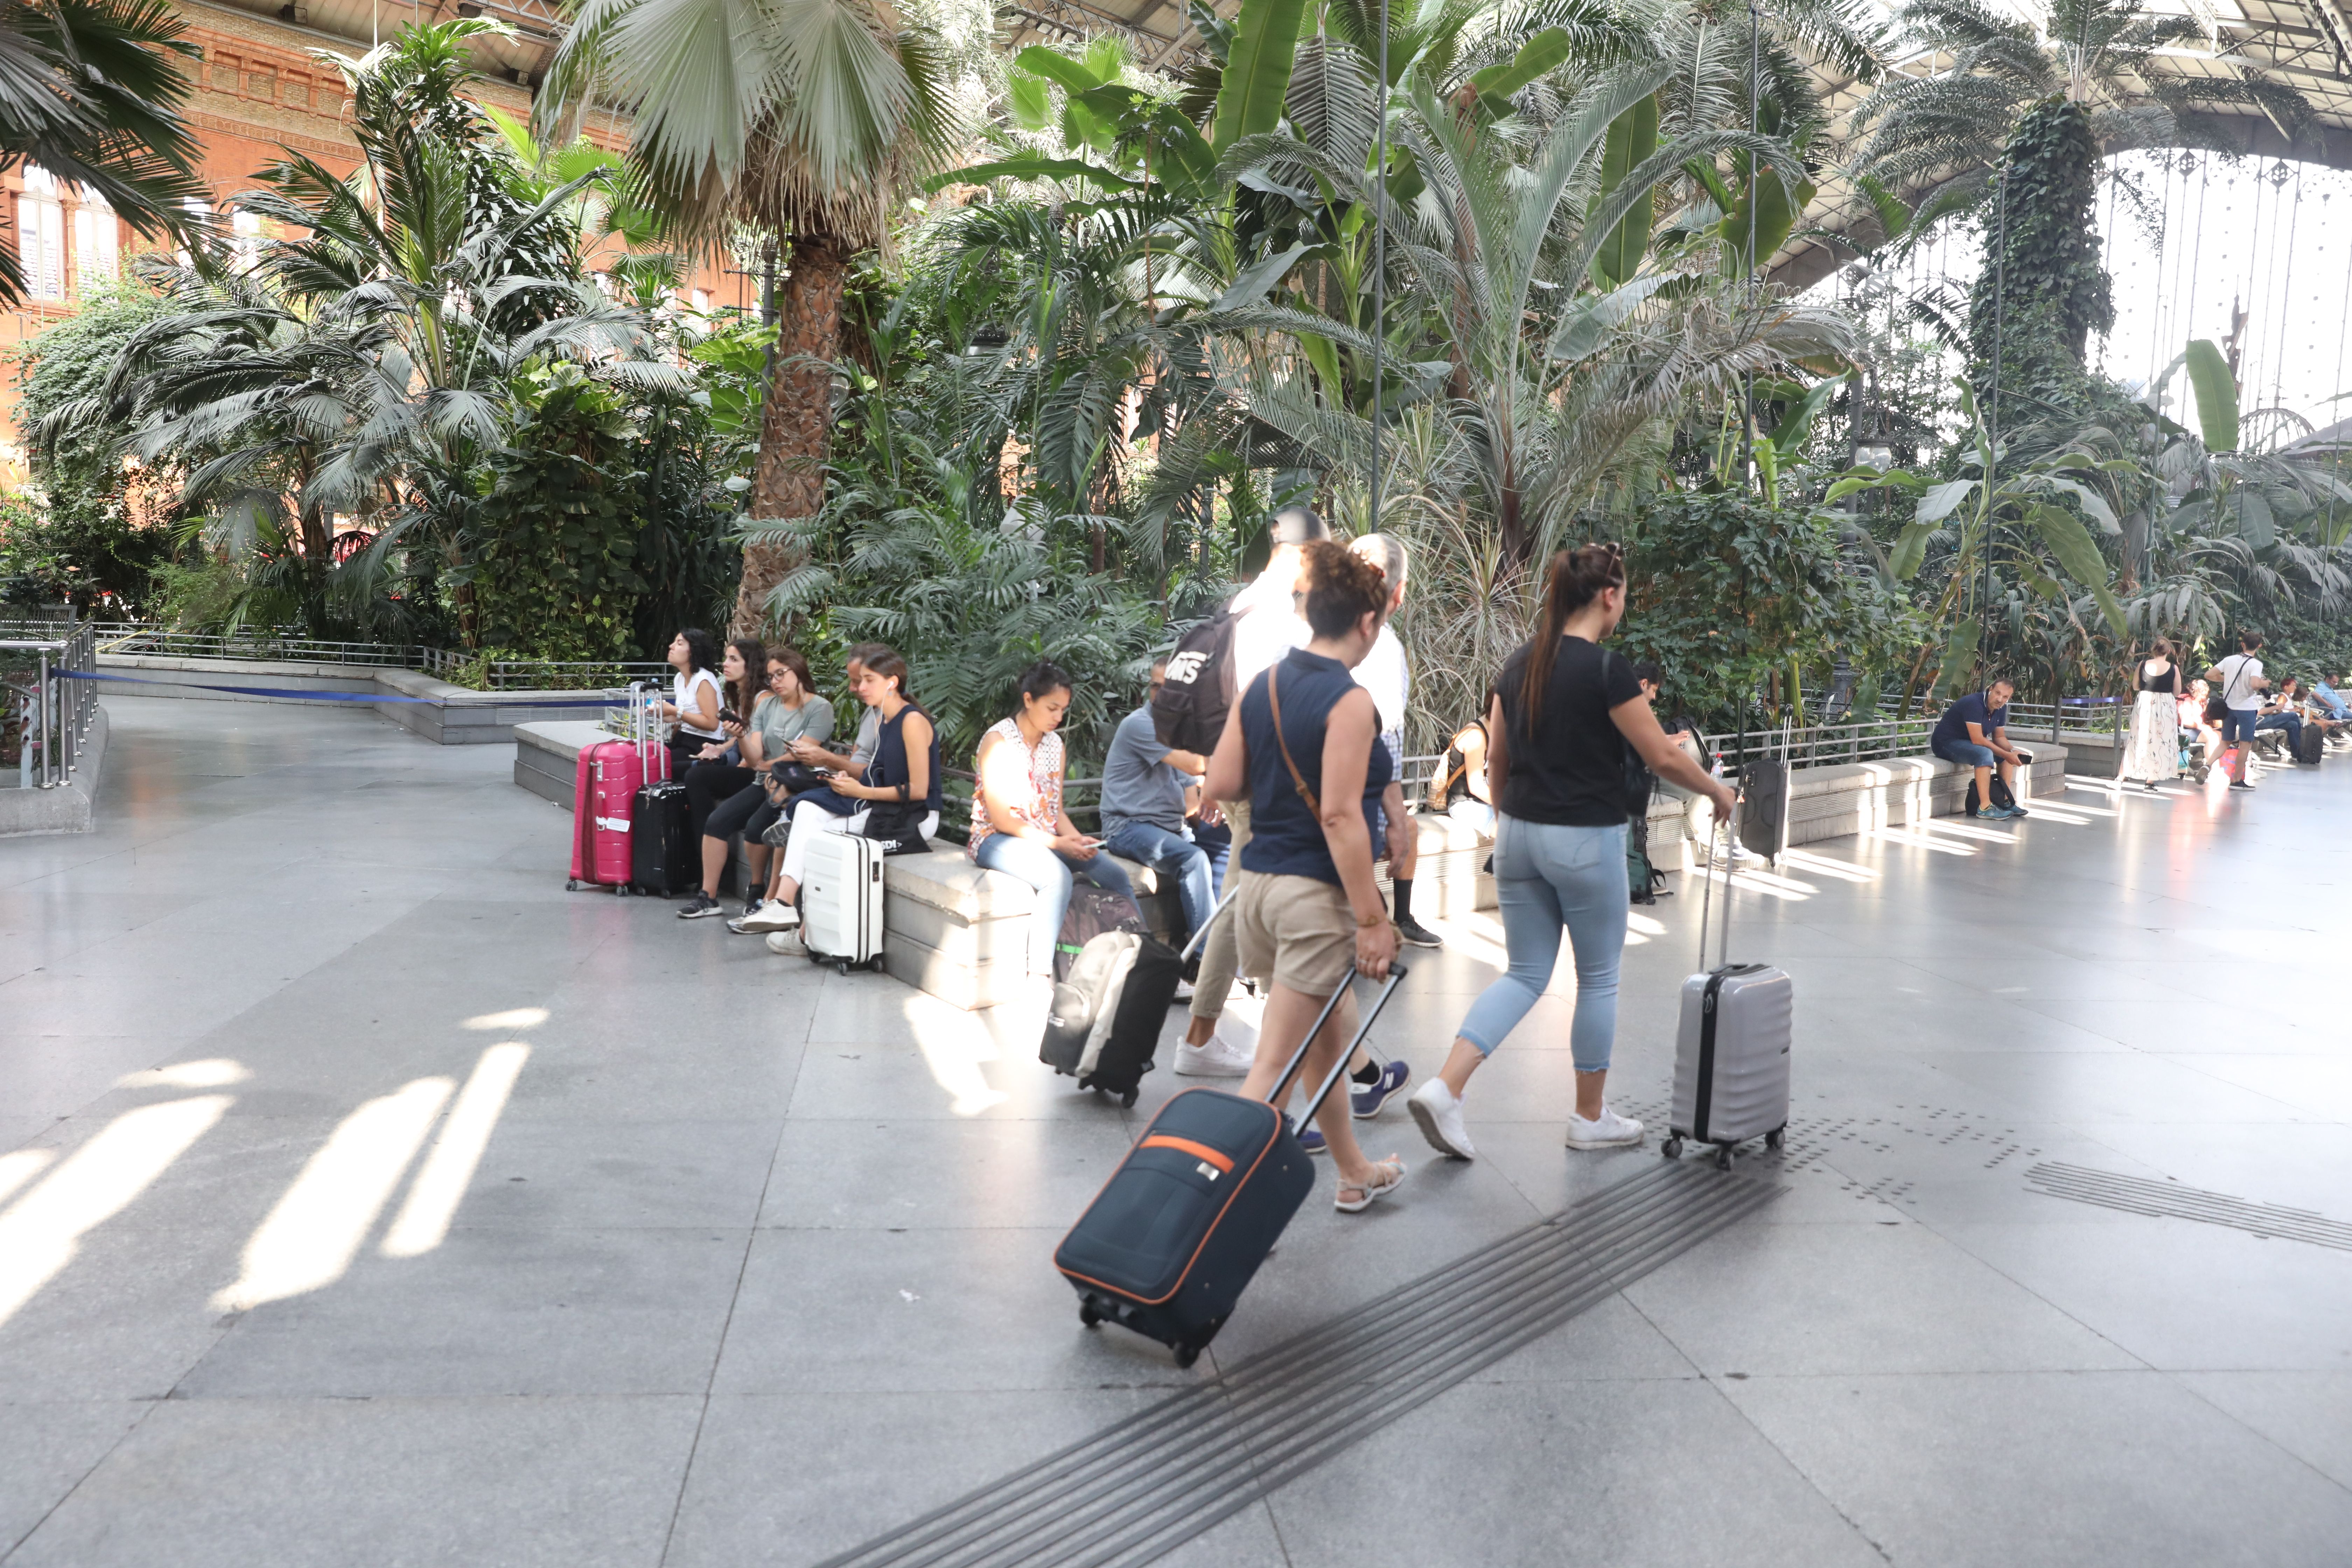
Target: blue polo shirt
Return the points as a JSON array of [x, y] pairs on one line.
[[1953, 726]]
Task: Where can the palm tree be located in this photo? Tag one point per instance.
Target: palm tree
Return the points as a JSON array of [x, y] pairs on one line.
[[90, 92], [367, 364], [1935, 139], [804, 118]]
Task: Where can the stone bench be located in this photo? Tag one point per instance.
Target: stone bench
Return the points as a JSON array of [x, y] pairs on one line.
[[445, 714], [961, 932]]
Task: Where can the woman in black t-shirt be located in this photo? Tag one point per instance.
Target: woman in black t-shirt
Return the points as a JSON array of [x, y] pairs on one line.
[[1565, 711]]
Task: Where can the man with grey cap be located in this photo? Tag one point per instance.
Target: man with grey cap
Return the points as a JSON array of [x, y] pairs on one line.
[[1267, 625]]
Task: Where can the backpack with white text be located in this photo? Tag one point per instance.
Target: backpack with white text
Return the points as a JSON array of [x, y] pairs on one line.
[[1187, 713]]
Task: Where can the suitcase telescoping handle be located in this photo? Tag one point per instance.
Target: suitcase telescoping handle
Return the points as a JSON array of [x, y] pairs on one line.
[[1193, 945], [1729, 825], [1340, 1068]]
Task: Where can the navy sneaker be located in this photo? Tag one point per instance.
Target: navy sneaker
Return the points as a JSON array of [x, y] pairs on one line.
[[1311, 1140], [1368, 1100]]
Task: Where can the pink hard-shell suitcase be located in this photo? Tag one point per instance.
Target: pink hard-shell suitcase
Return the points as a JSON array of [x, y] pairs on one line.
[[609, 775]]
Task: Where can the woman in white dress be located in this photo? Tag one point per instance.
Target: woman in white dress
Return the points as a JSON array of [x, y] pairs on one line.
[[2152, 753]]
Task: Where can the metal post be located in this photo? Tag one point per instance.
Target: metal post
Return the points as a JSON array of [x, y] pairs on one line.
[[1379, 254], [41, 701]]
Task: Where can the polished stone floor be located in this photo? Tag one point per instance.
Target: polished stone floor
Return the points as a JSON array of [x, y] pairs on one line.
[[366, 1199]]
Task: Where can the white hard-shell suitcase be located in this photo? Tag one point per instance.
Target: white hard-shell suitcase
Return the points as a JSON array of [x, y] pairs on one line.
[[1731, 1052], [841, 902]]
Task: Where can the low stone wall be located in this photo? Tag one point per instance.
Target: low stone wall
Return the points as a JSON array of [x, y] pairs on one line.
[[962, 933], [70, 807], [447, 715], [1851, 798]]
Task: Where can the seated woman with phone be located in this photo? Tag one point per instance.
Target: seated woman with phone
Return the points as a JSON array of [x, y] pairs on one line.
[[1017, 825], [788, 711], [895, 796], [714, 768]]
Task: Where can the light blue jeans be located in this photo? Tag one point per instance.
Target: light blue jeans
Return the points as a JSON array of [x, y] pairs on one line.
[[1053, 877], [1171, 854], [1547, 876]]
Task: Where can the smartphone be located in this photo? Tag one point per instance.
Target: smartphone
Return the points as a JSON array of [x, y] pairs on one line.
[[729, 716]]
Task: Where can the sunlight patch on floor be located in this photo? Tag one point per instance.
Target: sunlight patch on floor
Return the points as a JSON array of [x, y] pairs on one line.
[[41, 1234], [955, 1048], [424, 1221], [1843, 871], [514, 1018], [310, 1238], [1919, 841], [20, 1167]]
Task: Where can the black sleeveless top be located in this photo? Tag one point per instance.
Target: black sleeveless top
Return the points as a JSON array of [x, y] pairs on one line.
[[890, 765], [2167, 683], [1286, 838]]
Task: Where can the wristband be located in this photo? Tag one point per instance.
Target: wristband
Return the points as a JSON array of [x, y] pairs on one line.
[[1367, 923]]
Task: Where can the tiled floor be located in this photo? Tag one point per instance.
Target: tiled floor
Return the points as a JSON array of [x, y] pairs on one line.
[[753, 1266]]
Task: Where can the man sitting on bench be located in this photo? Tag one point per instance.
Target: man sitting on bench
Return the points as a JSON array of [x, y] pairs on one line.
[[1974, 732]]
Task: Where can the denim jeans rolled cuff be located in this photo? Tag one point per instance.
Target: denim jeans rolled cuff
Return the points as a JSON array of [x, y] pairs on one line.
[[1969, 755], [1550, 876], [2238, 724], [1172, 856], [1055, 876]]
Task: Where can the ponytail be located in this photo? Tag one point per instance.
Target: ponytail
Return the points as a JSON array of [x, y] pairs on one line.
[[1578, 577]]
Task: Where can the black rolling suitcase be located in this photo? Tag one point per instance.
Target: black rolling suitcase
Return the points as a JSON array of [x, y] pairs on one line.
[[1108, 1012], [1764, 810], [1172, 1240], [2314, 747], [662, 860]]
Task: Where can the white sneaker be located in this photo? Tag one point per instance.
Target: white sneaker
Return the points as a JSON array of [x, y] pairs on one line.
[[786, 942], [773, 915], [1607, 1130], [1437, 1111], [1184, 990], [1219, 1059]]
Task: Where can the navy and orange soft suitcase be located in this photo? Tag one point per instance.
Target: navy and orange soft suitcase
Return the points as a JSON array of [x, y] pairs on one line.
[[1177, 1232]]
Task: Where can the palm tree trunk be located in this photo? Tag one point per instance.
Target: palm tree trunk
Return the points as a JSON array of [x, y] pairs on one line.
[[795, 419]]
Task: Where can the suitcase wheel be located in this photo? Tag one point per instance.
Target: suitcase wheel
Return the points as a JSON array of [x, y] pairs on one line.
[[874, 963], [1127, 1100], [1088, 1315], [1187, 1354], [841, 966], [571, 884], [1672, 1148], [1723, 1158], [1774, 1138]]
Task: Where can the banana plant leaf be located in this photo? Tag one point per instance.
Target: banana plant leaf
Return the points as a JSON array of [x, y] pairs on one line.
[[1632, 136], [1959, 657], [2071, 543], [1257, 75], [1938, 503], [2217, 395], [1910, 551], [1497, 85]]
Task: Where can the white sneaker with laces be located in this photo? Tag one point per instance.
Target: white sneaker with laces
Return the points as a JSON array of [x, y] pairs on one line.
[[1437, 1111], [1184, 990], [1607, 1130], [1219, 1059], [773, 915], [788, 943]]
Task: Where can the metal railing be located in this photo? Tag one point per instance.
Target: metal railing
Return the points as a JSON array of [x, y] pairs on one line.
[[52, 715], [288, 645]]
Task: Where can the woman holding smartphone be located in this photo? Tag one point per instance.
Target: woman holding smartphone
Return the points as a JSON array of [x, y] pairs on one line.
[[1017, 826], [905, 770]]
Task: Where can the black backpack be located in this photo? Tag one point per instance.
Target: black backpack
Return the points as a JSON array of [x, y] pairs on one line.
[[1189, 713]]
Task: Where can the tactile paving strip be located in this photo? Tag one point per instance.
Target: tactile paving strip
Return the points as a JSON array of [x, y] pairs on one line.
[[1140, 1487], [2135, 1195]]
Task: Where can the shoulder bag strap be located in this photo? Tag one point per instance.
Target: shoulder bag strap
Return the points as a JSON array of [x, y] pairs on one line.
[[1274, 702]]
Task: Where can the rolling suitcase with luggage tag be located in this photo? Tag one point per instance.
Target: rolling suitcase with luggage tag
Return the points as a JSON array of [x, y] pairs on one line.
[[1731, 1052], [605, 783], [1764, 825], [1175, 1235], [662, 861], [841, 902]]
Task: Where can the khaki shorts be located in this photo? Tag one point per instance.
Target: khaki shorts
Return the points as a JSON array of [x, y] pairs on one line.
[[1296, 931]]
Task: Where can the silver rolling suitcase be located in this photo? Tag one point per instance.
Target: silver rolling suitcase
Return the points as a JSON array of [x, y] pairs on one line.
[[1731, 1052]]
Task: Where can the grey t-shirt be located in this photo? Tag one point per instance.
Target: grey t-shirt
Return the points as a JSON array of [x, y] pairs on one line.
[[869, 735], [1139, 785], [780, 726]]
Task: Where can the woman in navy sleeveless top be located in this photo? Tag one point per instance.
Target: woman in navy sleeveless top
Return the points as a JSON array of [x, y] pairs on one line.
[[1306, 912], [906, 767]]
